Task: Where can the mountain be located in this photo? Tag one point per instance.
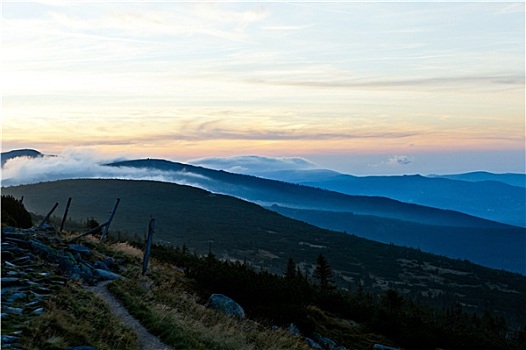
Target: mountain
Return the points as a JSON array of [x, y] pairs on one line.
[[269, 192], [31, 153], [489, 199], [447, 226], [496, 197], [478, 176], [238, 230], [497, 248]]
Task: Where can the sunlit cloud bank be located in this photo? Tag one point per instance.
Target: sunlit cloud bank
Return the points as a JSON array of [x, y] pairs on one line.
[[255, 164], [81, 164]]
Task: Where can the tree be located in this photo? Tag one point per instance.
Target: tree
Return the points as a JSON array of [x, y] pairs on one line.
[[14, 213], [323, 272], [290, 273]]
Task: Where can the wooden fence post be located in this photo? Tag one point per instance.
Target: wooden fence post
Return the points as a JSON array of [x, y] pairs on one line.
[[65, 215], [151, 228], [47, 216], [107, 227]]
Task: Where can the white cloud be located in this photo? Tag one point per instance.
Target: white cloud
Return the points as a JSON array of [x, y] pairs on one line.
[[82, 164], [399, 160], [255, 164]]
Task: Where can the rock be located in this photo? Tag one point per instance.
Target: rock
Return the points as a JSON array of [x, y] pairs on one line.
[[325, 342], [293, 329], [16, 296], [38, 311], [82, 347], [225, 304], [8, 339], [313, 344], [8, 229], [106, 275], [11, 281], [12, 310], [44, 250], [101, 265], [109, 261], [79, 248]]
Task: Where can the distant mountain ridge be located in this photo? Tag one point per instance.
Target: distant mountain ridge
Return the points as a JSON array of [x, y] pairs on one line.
[[31, 153], [496, 197], [497, 248], [268, 192], [478, 176], [445, 226]]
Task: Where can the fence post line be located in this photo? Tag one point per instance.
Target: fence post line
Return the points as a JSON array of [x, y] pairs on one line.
[[151, 229], [65, 215], [47, 216], [107, 227]]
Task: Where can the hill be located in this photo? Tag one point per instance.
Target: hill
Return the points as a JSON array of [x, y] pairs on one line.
[[496, 197], [479, 176], [20, 153], [268, 192], [237, 230], [497, 248]]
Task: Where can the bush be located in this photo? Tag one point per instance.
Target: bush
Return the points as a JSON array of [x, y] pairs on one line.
[[14, 213]]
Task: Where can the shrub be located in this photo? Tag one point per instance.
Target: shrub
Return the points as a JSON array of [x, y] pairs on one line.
[[14, 213]]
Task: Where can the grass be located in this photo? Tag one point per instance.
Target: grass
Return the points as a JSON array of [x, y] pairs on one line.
[[162, 302], [76, 317]]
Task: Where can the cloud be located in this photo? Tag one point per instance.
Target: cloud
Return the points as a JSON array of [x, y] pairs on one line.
[[255, 164], [399, 160], [510, 79], [82, 164]]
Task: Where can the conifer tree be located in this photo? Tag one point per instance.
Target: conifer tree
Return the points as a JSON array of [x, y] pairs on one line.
[[290, 273], [323, 272]]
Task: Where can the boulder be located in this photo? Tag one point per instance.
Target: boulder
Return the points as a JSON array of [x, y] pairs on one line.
[[225, 304], [313, 344], [106, 275], [324, 341], [293, 329], [79, 248]]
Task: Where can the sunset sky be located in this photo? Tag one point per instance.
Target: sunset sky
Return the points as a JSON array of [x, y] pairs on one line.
[[362, 88]]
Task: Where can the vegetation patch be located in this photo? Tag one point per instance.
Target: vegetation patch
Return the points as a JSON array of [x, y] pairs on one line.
[[163, 306], [76, 317]]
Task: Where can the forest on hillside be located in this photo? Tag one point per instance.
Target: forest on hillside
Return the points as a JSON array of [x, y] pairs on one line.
[[314, 304]]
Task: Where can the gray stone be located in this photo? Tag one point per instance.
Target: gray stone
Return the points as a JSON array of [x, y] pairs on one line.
[[38, 311], [313, 344], [293, 329], [225, 304], [109, 261], [79, 248], [8, 339], [106, 275], [82, 347], [101, 265], [16, 296], [8, 229], [326, 342], [11, 281], [12, 310]]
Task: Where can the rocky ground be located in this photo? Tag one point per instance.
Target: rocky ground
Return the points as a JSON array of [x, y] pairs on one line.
[[35, 265]]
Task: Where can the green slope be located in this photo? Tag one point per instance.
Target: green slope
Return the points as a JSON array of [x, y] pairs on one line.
[[241, 230]]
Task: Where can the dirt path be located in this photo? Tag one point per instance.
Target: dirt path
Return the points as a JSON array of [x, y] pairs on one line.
[[147, 340]]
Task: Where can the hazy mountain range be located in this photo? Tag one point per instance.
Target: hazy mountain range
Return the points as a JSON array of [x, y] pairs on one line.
[[446, 232], [238, 230]]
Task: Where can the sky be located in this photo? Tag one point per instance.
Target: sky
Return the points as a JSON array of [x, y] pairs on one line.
[[358, 87]]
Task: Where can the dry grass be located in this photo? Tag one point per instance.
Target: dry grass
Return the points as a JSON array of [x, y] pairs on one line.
[[75, 317], [162, 304]]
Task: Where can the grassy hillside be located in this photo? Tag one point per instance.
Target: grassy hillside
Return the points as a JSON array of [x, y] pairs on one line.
[[500, 248], [236, 229]]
